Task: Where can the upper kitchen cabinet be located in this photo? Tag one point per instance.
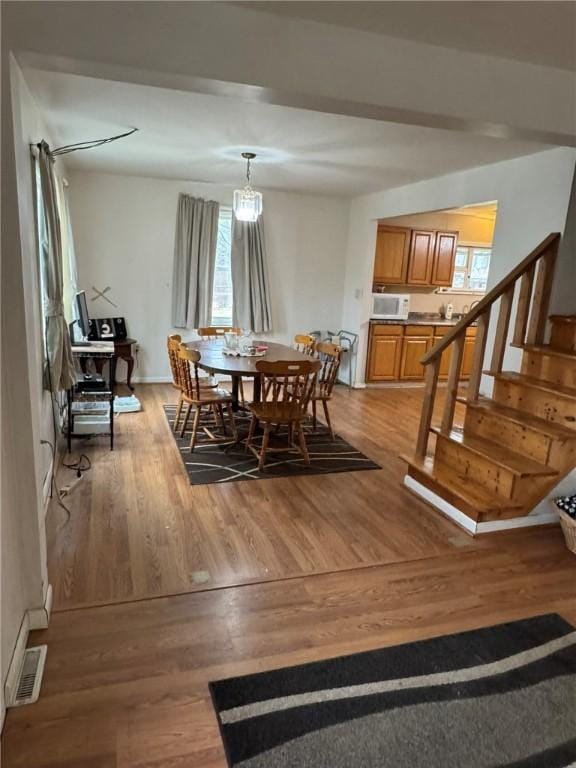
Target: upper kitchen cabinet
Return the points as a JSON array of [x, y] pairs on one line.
[[414, 257], [392, 251], [421, 258], [444, 255]]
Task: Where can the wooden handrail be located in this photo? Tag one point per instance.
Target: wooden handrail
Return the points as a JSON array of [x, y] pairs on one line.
[[490, 298], [537, 273]]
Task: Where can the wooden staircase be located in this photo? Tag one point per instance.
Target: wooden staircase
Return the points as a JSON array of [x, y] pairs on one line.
[[512, 449]]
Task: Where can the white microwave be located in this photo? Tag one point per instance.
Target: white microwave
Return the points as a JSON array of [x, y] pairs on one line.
[[390, 306]]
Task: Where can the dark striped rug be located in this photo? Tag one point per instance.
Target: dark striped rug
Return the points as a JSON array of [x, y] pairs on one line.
[[500, 696], [212, 463]]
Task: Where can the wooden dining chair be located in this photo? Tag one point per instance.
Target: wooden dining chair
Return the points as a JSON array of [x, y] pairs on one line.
[[290, 384], [329, 356], [304, 343], [209, 333], [198, 397], [213, 332], [173, 343]]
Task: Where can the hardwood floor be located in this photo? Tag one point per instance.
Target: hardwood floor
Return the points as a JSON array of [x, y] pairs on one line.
[[138, 529], [125, 685]]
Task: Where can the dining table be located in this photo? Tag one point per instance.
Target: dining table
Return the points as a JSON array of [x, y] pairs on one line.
[[215, 359]]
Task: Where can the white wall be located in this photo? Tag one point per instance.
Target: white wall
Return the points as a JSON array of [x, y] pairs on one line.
[[24, 580], [124, 236], [532, 192]]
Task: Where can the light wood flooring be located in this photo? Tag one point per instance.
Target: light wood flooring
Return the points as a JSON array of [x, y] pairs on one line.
[[125, 684], [138, 529]]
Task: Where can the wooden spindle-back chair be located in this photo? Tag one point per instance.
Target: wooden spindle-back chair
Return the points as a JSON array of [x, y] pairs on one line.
[[173, 343], [209, 333], [214, 332], [290, 385], [330, 356], [197, 397], [304, 342]]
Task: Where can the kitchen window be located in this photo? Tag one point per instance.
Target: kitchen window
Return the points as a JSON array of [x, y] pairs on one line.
[[471, 268]]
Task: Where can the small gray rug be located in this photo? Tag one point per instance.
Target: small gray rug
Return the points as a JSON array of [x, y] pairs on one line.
[[500, 696], [212, 463]]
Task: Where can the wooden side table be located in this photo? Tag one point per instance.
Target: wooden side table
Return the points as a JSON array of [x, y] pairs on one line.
[[122, 351]]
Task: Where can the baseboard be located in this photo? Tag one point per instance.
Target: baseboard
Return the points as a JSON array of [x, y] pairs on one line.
[[469, 525], [546, 518], [39, 618], [16, 663]]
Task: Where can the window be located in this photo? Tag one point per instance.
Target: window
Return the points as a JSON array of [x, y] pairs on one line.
[[222, 289], [471, 268]]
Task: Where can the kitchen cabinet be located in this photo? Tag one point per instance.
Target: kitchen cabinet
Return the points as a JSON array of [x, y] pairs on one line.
[[384, 354], [417, 341], [421, 258], [414, 257], [468, 353], [395, 351], [392, 251], [444, 256]]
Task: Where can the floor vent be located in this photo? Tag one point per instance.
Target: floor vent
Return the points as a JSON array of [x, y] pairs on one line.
[[30, 678]]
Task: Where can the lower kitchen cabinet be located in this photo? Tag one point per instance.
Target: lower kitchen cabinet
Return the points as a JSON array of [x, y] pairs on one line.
[[395, 352], [468, 354], [417, 341], [384, 354]]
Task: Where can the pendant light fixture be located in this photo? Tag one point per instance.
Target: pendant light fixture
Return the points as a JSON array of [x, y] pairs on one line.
[[247, 202]]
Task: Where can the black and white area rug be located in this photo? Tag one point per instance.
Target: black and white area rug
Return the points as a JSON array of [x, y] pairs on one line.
[[211, 463], [500, 696]]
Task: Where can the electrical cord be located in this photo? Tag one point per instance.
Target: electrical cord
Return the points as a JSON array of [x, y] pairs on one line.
[[82, 465]]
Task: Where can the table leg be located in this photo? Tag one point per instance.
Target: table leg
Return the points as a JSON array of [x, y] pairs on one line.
[[235, 393], [257, 396], [130, 364], [99, 363], [112, 423], [69, 420]]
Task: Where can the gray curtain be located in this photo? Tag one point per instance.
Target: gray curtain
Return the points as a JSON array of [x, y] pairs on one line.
[[194, 260], [251, 297], [60, 373]]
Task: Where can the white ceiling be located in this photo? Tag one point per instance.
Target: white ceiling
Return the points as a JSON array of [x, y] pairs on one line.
[[196, 137], [540, 32]]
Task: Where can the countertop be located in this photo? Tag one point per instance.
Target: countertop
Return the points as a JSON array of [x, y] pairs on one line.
[[420, 318]]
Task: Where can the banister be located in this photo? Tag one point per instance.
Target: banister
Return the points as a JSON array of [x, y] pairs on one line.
[[490, 298]]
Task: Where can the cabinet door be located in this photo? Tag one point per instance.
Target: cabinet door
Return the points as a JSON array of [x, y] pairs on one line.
[[444, 255], [392, 249], [421, 258], [467, 357], [384, 358], [413, 349]]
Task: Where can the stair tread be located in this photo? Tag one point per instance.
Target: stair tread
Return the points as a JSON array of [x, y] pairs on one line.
[[471, 493], [550, 428], [502, 455], [546, 349], [547, 386]]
